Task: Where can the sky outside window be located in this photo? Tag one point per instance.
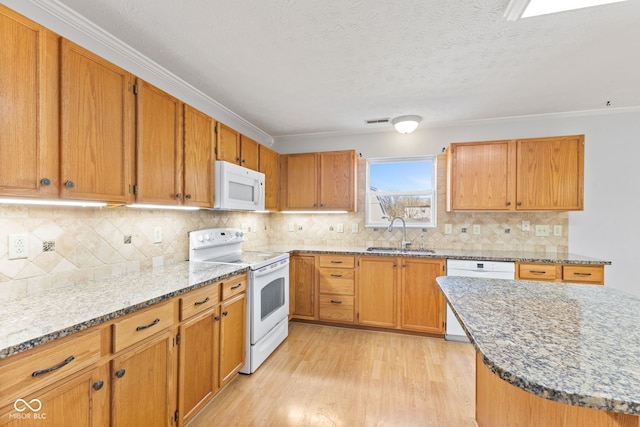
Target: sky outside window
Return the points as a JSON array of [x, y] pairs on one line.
[[403, 176]]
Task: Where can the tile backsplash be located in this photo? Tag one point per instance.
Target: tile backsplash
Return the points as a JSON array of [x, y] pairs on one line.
[[90, 243]]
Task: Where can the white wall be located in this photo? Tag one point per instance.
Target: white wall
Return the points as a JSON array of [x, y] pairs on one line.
[[606, 229]]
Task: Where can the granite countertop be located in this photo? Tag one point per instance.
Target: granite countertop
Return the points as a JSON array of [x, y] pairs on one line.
[[575, 344], [476, 255], [34, 320]]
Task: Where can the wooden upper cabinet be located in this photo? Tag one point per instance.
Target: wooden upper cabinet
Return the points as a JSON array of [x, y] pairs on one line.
[[227, 144], [97, 127], [198, 158], [321, 181], [337, 180], [269, 165], [158, 146], [300, 174], [483, 175], [249, 153], [523, 175], [28, 107], [550, 173]]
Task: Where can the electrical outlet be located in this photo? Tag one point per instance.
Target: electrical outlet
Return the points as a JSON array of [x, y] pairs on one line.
[[557, 230], [448, 229], [157, 234], [18, 246], [526, 226], [290, 225], [542, 230], [355, 228], [340, 228], [476, 228]]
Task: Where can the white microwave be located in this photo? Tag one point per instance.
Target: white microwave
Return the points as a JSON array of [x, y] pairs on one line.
[[237, 187]]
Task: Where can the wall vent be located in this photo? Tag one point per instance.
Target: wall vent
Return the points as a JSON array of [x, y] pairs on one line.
[[375, 121]]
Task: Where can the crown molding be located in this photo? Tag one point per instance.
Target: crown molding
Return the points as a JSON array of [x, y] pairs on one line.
[[75, 27]]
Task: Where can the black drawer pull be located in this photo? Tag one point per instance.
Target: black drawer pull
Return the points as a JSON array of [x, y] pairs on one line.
[[204, 301], [536, 272], [155, 322], [236, 286], [120, 373], [578, 273], [336, 275], [336, 262], [336, 302], [225, 313], [53, 368]]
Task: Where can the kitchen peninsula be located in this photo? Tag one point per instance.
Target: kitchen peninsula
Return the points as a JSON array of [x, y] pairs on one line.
[[563, 354]]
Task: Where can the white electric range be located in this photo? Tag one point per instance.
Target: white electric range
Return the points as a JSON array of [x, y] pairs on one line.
[[267, 288]]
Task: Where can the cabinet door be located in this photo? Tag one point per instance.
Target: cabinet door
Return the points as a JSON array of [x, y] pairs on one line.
[[302, 278], [480, 176], [249, 153], [97, 127], [550, 173], [301, 189], [270, 167], [82, 400], [422, 302], [142, 385], [159, 146], [28, 107], [227, 144], [198, 158], [377, 291], [198, 363], [232, 337], [337, 180]]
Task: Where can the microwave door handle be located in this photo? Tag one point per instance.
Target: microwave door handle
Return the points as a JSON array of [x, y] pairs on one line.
[[259, 192]]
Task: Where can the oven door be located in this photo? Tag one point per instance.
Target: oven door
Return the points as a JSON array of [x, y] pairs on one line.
[[269, 300]]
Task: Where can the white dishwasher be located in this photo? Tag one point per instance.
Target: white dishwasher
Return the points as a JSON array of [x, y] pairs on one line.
[[470, 268]]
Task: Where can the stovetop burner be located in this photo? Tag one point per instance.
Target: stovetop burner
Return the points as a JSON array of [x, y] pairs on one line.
[[223, 245]]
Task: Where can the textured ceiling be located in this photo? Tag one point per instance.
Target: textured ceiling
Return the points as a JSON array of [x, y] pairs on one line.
[[308, 66]]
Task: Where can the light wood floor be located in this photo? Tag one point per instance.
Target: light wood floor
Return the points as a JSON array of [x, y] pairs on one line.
[[329, 376]]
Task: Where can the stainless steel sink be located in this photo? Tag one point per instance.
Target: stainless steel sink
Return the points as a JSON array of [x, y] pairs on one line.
[[397, 251]]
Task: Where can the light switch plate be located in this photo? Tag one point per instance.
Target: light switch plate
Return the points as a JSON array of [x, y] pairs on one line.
[[448, 229], [526, 226], [557, 230], [340, 228], [476, 228], [354, 228], [542, 230], [157, 234]]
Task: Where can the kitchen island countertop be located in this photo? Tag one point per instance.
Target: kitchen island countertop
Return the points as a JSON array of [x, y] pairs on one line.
[[574, 344]]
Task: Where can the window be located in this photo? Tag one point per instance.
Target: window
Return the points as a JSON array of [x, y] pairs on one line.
[[404, 187]]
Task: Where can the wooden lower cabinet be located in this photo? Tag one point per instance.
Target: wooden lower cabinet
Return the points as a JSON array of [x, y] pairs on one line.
[[568, 273], [336, 288], [421, 301], [198, 369], [401, 293], [302, 287], [143, 382], [378, 292], [81, 400], [232, 337]]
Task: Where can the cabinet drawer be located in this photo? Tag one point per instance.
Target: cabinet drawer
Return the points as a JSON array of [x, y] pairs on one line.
[[44, 365], [336, 308], [199, 300], [583, 274], [138, 326], [233, 286], [337, 281], [337, 261], [537, 272]]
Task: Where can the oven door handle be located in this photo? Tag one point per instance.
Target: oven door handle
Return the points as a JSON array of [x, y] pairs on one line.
[[263, 272]]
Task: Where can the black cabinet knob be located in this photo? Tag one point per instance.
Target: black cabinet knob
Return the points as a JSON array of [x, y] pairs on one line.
[[187, 196], [98, 385], [120, 373], [179, 196], [45, 181], [69, 184]]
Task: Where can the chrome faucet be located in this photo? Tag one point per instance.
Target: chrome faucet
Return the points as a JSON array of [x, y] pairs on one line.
[[405, 242]]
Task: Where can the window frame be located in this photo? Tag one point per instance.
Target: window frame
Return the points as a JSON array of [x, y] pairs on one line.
[[433, 193]]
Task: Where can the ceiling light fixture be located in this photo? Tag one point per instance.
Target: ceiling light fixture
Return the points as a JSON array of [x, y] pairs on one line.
[[517, 9], [406, 124]]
